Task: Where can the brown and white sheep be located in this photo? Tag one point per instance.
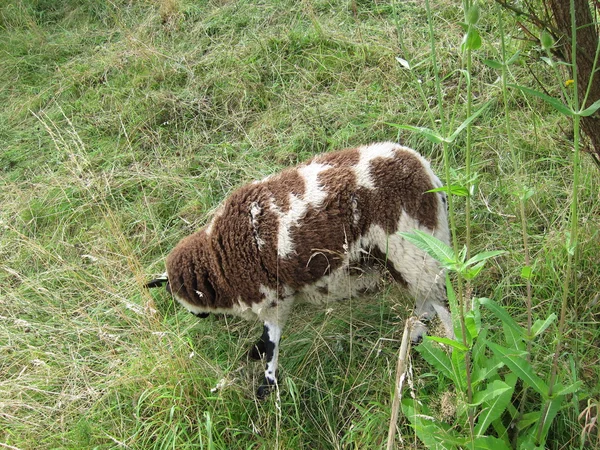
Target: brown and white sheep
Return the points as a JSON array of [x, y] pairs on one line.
[[324, 230]]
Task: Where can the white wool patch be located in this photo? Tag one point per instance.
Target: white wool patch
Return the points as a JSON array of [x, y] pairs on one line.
[[339, 285], [297, 211], [283, 305], [421, 272], [313, 197], [367, 154], [255, 211], [218, 213]]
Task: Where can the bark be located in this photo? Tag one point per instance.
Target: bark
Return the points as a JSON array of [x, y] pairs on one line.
[[587, 43]]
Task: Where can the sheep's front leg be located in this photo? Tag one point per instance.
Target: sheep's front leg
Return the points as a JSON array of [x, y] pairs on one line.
[[272, 333], [258, 350]]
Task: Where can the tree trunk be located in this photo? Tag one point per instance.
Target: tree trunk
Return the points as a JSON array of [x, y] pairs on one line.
[[587, 43]]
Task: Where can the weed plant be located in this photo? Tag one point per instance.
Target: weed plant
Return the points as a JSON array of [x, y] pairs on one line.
[[123, 126]]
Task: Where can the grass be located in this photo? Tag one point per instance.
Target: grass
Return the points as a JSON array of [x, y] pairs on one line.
[[123, 126]]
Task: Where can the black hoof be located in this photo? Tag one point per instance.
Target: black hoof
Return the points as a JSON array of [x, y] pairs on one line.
[[263, 392], [264, 389]]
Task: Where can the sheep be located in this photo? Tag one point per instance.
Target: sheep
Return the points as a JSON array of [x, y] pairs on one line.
[[324, 230]]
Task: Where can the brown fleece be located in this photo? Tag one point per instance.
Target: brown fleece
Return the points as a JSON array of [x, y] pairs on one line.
[[240, 253]]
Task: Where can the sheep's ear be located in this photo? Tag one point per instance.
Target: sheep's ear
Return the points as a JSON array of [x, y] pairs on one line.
[[157, 282]]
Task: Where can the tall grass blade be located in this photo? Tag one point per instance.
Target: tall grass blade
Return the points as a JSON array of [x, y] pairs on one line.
[[431, 135], [469, 119]]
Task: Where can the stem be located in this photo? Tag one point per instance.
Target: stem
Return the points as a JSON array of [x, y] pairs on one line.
[[517, 167], [465, 303], [452, 215], [573, 224], [468, 152]]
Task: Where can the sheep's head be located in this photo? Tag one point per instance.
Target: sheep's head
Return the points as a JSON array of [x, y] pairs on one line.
[[163, 279], [190, 279]]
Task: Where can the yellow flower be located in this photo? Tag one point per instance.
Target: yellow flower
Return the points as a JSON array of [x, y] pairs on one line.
[[569, 82]]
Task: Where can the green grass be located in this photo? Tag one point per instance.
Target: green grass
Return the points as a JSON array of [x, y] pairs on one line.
[[123, 126]]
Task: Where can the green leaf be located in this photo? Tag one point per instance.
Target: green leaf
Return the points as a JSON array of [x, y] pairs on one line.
[[492, 390], [431, 135], [479, 355], [490, 443], [526, 193], [487, 371], [526, 272], [527, 442], [528, 420], [435, 248], [559, 389], [469, 120], [547, 60], [498, 64], [514, 57], [473, 323], [555, 103], [437, 358], [571, 243], [495, 399], [471, 40], [503, 315], [513, 338], [484, 256], [459, 369], [515, 360], [433, 434], [472, 15], [493, 64], [590, 109], [551, 413], [451, 342], [540, 325], [546, 40], [453, 189], [471, 272]]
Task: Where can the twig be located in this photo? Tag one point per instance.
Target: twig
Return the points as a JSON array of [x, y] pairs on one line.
[[531, 17], [400, 376]]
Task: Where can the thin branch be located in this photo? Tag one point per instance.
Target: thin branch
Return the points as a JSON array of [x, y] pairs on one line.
[[530, 16]]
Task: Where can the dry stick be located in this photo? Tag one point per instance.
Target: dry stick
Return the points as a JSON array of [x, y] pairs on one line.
[[400, 376]]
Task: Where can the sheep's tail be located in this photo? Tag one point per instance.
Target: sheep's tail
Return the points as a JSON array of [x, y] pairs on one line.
[[157, 282]]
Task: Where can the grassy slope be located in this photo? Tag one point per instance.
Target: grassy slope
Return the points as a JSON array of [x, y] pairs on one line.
[[124, 124]]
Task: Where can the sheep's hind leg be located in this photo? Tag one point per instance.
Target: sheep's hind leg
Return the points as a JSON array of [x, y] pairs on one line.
[[271, 343], [424, 279]]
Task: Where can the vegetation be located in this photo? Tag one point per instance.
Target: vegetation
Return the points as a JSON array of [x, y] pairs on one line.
[[123, 126]]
